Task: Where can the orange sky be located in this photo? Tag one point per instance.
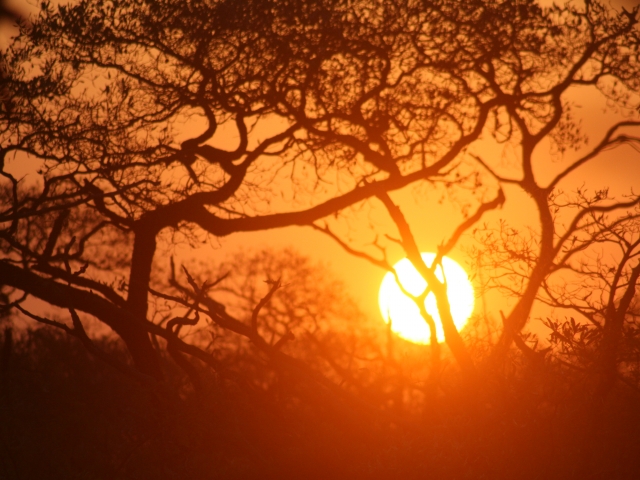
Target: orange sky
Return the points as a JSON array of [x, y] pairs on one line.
[[432, 222]]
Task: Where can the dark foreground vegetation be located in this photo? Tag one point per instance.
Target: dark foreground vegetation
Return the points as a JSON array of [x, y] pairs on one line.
[[66, 414]]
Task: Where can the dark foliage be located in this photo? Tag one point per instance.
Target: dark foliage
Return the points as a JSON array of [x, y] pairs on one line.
[[66, 415]]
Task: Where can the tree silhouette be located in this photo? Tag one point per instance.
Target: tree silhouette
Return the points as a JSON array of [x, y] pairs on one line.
[[100, 97], [128, 127], [140, 122]]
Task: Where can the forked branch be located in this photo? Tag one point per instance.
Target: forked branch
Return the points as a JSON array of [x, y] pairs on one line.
[[452, 336]]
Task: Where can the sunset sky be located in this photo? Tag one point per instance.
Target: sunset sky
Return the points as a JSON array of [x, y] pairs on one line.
[[433, 221]]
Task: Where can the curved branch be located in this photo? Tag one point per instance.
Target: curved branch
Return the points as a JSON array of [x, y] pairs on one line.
[[607, 141]]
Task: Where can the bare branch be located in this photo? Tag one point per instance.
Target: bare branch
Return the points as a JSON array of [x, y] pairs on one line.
[[275, 285], [452, 336]]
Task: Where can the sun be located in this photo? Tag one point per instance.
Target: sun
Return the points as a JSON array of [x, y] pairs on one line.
[[406, 320]]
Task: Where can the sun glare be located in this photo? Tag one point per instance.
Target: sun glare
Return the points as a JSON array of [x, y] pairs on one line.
[[404, 314]]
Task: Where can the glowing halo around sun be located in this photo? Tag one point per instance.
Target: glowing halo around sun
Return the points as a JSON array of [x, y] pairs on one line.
[[406, 320]]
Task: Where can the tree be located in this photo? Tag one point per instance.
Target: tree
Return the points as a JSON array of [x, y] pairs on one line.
[[128, 109], [558, 251], [130, 127], [100, 97], [594, 277]]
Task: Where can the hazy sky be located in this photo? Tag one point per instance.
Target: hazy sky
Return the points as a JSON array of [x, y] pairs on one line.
[[432, 222]]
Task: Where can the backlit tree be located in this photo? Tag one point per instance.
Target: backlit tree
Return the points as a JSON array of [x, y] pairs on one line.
[[142, 121]]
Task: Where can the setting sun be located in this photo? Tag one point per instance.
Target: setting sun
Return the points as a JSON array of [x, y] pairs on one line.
[[405, 314]]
